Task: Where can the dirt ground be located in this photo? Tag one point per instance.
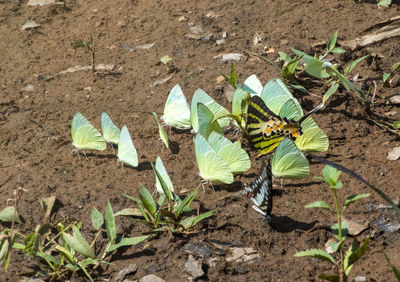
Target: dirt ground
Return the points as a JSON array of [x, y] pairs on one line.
[[36, 111]]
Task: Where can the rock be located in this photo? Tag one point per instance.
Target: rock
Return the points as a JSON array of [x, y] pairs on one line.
[[145, 46], [121, 23], [197, 250], [229, 57], [394, 154], [355, 226], [220, 79], [28, 88], [395, 99], [220, 41], [127, 48], [43, 77], [43, 2], [360, 279], [212, 262], [160, 81], [192, 36], [229, 91], [125, 271], [211, 15], [29, 25], [194, 267], [151, 278], [224, 34], [196, 29], [386, 227], [243, 255], [183, 19]]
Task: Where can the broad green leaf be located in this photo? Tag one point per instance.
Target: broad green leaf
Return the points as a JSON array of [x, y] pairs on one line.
[[161, 200], [48, 257], [331, 91], [394, 269], [351, 199], [345, 229], [355, 253], [396, 124], [147, 200], [110, 223], [133, 198], [338, 50], [396, 66], [97, 218], [313, 65], [332, 42], [186, 202], [129, 212], [386, 76], [319, 204], [298, 87], [78, 243], [285, 57], [3, 248], [336, 245], [127, 242], [193, 220], [331, 176], [350, 67], [329, 277], [165, 59], [7, 214], [316, 253]]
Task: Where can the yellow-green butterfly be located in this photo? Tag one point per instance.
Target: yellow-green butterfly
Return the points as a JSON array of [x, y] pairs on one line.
[[127, 153], [176, 110], [110, 131], [85, 136], [162, 171], [206, 122]]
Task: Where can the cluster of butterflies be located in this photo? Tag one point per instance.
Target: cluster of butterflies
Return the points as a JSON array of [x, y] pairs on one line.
[[86, 137], [271, 115]]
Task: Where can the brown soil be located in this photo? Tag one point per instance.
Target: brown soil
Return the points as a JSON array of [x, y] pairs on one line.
[[35, 138]]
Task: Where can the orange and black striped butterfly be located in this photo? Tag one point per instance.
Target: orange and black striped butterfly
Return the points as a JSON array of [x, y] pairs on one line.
[[267, 129]]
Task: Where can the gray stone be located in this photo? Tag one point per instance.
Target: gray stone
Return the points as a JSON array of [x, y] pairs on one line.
[[130, 269], [197, 250], [194, 267]]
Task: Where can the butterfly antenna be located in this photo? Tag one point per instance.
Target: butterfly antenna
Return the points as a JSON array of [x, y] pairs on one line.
[[84, 153], [281, 183], [316, 109], [112, 147]]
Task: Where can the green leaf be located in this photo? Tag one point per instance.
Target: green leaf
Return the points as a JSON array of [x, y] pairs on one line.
[[345, 229], [396, 66], [331, 91], [161, 131], [336, 245], [165, 59], [48, 257], [331, 176], [79, 243], [351, 199], [161, 200], [79, 44], [3, 248], [338, 50], [316, 253], [110, 223], [384, 3], [193, 220], [7, 214], [186, 202], [386, 76], [354, 253], [394, 269], [97, 218], [129, 212], [66, 253], [164, 186], [350, 67], [233, 76], [319, 204], [147, 200], [396, 124], [329, 277], [138, 201], [285, 57], [313, 65], [332, 42], [127, 242], [299, 87]]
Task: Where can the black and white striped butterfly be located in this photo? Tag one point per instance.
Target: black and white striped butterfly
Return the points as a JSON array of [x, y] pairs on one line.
[[260, 191]]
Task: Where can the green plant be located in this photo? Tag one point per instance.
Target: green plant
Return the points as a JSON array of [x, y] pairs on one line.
[[346, 261], [89, 45], [387, 75], [394, 269], [384, 3], [169, 213]]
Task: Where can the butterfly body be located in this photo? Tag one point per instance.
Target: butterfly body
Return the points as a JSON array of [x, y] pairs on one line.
[[260, 192]]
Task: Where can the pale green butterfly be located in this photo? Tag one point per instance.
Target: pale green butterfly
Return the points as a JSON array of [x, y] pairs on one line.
[[176, 110], [85, 136], [126, 150], [161, 131], [110, 131], [212, 166], [207, 124], [275, 93], [289, 162], [217, 110], [232, 153], [240, 103], [162, 171], [313, 138], [252, 85]]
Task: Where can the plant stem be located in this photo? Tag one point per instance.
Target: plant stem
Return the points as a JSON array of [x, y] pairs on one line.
[[339, 219]]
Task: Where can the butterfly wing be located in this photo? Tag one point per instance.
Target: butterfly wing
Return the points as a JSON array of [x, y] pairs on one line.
[[313, 139], [176, 109], [252, 85], [110, 131], [85, 136], [260, 191], [126, 150], [211, 166], [206, 121], [164, 174], [217, 110], [289, 162]]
